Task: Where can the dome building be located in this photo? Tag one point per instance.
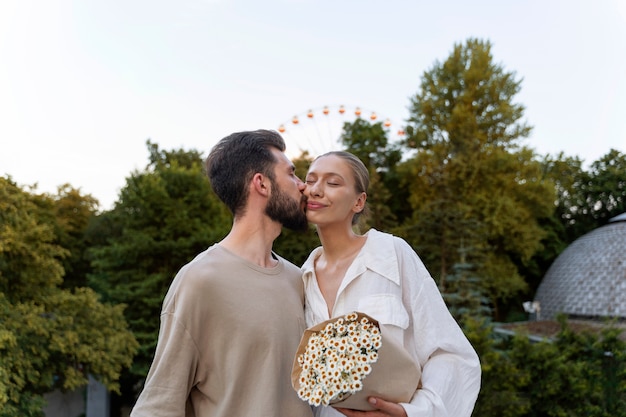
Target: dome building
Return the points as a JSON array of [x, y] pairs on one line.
[[588, 279]]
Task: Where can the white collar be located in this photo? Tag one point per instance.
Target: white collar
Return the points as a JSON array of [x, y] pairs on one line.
[[378, 254]]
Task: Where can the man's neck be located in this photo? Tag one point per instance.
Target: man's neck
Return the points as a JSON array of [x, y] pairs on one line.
[[253, 240]]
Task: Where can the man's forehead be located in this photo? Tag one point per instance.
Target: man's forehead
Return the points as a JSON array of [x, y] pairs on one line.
[[282, 159]]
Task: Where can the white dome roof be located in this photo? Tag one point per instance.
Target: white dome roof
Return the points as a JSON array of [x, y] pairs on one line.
[[588, 279]]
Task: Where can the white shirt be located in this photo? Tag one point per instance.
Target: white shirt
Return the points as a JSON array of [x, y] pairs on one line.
[[389, 282]]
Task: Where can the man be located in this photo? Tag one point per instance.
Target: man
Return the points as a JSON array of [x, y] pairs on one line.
[[233, 317]]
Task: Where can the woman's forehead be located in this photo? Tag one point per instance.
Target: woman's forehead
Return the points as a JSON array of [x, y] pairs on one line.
[[329, 163]]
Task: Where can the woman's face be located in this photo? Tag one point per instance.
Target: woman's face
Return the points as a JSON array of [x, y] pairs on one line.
[[330, 189]]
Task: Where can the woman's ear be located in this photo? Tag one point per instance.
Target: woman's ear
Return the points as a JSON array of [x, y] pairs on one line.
[[359, 205]]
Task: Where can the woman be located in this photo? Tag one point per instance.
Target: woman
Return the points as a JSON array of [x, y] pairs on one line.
[[380, 275]]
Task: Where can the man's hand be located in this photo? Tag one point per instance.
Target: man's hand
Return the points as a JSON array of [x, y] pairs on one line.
[[383, 409]]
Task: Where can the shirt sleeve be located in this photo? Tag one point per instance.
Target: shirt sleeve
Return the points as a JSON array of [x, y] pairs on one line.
[[450, 366], [172, 373]]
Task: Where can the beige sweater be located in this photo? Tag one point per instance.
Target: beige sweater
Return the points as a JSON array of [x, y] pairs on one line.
[[229, 332]]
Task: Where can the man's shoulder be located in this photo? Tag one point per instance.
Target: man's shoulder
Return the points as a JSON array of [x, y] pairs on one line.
[[201, 268], [199, 277], [289, 267]]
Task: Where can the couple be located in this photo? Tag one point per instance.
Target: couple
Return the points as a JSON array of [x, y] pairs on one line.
[[233, 317]]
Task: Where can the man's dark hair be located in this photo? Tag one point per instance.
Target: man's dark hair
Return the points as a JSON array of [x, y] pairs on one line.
[[236, 159]]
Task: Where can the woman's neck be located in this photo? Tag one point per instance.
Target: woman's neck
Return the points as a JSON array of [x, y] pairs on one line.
[[339, 243], [341, 247]]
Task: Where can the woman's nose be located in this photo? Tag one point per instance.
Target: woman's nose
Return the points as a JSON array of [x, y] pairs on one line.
[[313, 189]]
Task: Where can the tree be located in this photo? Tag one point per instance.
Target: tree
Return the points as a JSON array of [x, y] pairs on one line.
[[563, 172], [165, 216], [464, 294], [502, 381], [585, 200], [72, 213], [596, 195], [575, 373], [50, 337], [471, 180], [370, 143], [572, 374], [605, 189]]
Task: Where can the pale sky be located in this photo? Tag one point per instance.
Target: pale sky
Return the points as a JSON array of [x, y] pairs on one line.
[[84, 83]]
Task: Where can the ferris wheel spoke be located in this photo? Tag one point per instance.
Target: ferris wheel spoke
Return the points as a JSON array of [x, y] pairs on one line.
[[306, 131]]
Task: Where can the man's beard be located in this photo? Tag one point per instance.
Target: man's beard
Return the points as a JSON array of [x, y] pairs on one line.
[[285, 210]]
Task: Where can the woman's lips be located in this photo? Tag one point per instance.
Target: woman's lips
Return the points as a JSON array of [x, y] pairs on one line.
[[313, 205]]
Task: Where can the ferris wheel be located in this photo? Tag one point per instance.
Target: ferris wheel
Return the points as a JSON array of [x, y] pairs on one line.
[[318, 131]]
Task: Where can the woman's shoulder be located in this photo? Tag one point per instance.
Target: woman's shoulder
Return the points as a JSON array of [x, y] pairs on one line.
[[309, 264], [385, 239], [389, 245]]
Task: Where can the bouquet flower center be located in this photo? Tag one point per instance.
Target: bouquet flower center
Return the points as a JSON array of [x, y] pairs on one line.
[[337, 359]]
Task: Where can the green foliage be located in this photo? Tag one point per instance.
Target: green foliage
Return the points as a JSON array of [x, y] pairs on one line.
[[502, 379], [558, 385], [369, 142], [29, 258], [68, 336], [15, 367], [576, 374], [604, 187], [50, 337], [296, 246], [466, 104], [587, 200], [73, 212], [594, 196], [464, 294], [470, 180], [603, 358], [165, 216]]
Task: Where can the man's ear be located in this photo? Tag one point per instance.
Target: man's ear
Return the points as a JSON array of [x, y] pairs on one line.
[[260, 184]]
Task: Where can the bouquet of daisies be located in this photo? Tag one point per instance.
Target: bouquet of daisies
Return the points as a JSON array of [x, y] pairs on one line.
[[343, 361]]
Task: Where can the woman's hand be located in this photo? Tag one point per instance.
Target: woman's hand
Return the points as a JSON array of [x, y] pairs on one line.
[[383, 409]]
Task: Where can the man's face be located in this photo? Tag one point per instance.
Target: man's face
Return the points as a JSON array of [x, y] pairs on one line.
[[287, 204], [286, 210]]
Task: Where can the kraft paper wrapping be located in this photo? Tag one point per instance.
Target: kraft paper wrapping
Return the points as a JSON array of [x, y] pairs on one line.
[[395, 376]]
